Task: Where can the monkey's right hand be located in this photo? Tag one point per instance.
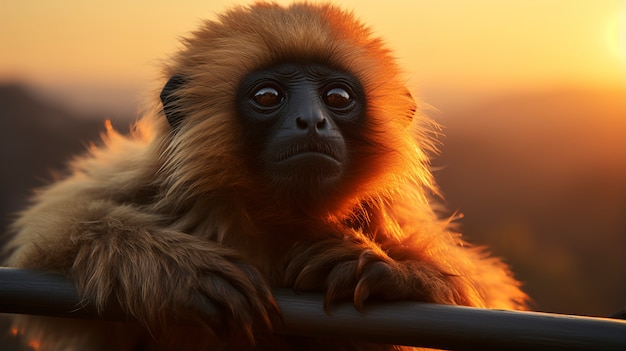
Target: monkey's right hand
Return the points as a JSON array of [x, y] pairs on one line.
[[160, 278]]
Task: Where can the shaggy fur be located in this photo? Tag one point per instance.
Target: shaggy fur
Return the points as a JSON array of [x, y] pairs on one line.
[[167, 220]]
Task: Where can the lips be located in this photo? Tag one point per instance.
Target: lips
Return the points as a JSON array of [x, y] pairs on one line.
[[314, 149]]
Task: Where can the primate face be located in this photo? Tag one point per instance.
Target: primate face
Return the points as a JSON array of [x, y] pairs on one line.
[[299, 120]]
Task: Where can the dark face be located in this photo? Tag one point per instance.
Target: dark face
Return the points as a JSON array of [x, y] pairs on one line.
[[298, 121]]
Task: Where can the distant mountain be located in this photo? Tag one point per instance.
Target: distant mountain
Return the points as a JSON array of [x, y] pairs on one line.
[[541, 179], [36, 139]]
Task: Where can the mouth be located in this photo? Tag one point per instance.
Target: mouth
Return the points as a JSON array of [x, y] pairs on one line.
[[309, 150]]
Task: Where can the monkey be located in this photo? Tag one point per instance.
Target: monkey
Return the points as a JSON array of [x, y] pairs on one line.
[[283, 151]]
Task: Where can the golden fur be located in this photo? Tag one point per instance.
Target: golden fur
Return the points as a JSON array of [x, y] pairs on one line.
[[159, 218]]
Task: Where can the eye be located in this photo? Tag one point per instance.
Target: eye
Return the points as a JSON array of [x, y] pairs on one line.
[[268, 96], [337, 98]]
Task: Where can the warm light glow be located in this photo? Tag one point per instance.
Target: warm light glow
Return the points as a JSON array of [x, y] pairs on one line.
[[477, 44], [616, 35], [35, 345]]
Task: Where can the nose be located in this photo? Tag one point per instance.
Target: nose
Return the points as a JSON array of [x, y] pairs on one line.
[[312, 121]]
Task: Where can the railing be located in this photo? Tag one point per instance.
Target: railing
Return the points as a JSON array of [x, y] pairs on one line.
[[405, 323]]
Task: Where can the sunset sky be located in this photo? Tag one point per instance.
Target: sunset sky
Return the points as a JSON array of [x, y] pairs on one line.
[[531, 95], [114, 47]]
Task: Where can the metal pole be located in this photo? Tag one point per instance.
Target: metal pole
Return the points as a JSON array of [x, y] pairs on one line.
[[405, 323]]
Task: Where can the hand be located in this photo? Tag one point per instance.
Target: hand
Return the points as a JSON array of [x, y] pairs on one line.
[[358, 269]]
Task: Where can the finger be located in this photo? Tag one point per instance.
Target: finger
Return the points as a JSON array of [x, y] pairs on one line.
[[341, 281]]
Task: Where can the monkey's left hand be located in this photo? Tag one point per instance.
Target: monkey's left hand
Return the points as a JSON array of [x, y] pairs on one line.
[[357, 267]]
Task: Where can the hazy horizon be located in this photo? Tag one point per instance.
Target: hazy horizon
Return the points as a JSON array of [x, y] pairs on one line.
[[108, 54]]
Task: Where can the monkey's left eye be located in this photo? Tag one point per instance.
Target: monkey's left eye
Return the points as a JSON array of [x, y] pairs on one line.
[[268, 96], [337, 98]]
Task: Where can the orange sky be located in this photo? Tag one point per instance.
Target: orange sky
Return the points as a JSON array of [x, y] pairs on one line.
[[446, 44]]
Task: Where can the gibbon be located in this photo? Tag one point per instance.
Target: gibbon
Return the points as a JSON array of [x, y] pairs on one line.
[[284, 151]]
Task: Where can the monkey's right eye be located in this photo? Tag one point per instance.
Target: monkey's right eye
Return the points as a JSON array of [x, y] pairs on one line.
[[268, 96]]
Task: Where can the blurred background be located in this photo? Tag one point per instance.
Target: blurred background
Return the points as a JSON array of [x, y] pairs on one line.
[[531, 94]]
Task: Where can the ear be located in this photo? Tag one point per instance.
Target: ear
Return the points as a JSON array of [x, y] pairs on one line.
[[169, 98]]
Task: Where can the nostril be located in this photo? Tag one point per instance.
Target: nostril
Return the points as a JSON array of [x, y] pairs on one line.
[[301, 123], [321, 124]]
